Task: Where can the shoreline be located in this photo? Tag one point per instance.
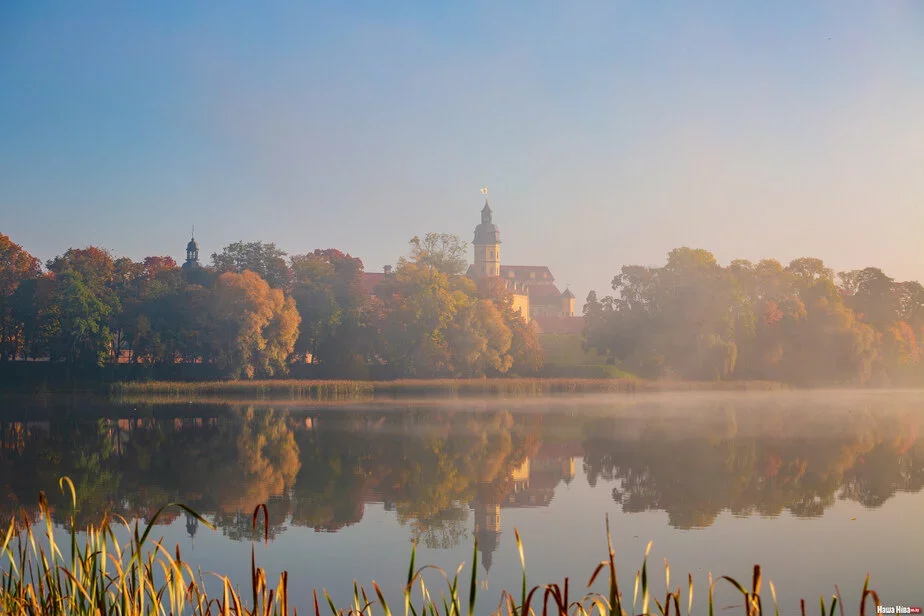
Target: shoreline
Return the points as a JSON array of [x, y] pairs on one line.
[[343, 390]]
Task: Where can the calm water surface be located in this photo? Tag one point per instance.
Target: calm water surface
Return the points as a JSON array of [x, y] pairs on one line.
[[818, 488]]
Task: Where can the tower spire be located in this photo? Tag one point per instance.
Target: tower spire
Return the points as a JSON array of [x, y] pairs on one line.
[[486, 243]]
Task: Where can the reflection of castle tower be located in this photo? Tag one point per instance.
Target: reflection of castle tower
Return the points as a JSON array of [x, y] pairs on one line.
[[487, 530], [531, 484], [192, 525], [567, 470]]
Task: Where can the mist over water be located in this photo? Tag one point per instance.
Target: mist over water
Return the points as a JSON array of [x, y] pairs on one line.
[[817, 487]]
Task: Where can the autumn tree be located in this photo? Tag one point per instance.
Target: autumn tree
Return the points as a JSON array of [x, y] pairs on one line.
[[441, 251], [95, 271], [32, 310], [78, 320], [96, 267], [335, 329], [434, 322], [682, 319], [777, 311], [525, 352], [16, 267], [696, 319], [479, 340], [151, 315], [253, 327], [264, 259], [419, 305], [875, 299]]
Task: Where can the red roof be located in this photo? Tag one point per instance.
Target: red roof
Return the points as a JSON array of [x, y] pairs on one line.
[[559, 325], [543, 291], [370, 280], [522, 272]]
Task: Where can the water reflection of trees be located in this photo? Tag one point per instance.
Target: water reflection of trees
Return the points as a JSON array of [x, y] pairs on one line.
[[756, 463], [319, 474], [424, 466], [429, 467], [132, 467]]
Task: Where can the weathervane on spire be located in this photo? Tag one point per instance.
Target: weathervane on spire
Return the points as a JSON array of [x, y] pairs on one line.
[[193, 231], [484, 191]]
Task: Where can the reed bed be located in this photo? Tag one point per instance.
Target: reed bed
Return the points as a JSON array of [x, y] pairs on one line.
[[142, 577], [336, 390]]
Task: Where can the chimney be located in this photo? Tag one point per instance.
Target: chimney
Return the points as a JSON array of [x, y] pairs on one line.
[[387, 270]]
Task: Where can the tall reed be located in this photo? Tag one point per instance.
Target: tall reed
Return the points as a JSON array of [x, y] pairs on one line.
[[103, 576]]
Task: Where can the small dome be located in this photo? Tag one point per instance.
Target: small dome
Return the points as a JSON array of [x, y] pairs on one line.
[[568, 294], [192, 245]]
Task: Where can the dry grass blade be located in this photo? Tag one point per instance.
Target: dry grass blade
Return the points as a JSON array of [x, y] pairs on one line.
[[523, 567], [473, 587], [382, 602], [615, 604], [690, 596], [868, 593], [776, 607]]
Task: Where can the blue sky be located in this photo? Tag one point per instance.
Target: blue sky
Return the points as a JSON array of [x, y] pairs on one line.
[[607, 132]]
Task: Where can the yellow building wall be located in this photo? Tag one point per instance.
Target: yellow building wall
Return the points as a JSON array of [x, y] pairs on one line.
[[521, 305], [522, 473]]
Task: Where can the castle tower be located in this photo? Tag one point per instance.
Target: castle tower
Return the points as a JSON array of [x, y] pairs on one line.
[[487, 246], [567, 303], [192, 253]]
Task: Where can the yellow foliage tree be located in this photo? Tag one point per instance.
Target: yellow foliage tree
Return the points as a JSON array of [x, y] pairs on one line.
[[253, 327]]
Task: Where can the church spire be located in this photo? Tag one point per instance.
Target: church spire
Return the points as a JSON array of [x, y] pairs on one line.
[[486, 244], [486, 210], [192, 252]]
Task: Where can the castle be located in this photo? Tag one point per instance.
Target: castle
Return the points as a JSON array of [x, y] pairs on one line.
[[532, 286]]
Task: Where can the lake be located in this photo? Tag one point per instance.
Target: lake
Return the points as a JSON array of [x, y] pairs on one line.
[[819, 488]]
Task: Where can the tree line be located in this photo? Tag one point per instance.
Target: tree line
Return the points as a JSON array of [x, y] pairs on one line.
[[254, 311], [800, 323]]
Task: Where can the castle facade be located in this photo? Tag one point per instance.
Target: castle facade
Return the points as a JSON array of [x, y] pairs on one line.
[[533, 287]]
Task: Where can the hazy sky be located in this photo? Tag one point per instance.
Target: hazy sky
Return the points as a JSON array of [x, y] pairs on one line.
[[608, 132]]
